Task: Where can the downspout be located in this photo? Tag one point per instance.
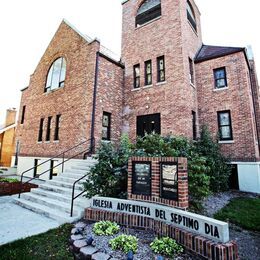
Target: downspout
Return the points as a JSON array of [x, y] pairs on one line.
[[254, 105], [92, 134]]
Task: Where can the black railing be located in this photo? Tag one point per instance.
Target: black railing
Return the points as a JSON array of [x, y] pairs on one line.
[[61, 155]]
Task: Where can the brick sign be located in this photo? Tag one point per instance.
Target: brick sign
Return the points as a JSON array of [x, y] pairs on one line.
[[163, 180], [194, 223]]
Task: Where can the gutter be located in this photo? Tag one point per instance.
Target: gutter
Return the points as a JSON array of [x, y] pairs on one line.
[[92, 134]]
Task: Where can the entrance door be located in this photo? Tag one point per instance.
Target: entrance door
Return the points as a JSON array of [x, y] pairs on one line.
[[148, 124]]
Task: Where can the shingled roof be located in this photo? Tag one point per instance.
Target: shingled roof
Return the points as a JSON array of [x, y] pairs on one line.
[[208, 52]]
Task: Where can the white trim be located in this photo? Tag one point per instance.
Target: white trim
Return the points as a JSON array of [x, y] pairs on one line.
[[153, 20], [147, 86], [161, 83], [226, 142], [7, 128], [219, 89]]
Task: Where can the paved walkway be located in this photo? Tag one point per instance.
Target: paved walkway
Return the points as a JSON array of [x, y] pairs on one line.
[[17, 222]]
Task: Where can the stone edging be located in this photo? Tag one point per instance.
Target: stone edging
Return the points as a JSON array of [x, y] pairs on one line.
[[204, 247]]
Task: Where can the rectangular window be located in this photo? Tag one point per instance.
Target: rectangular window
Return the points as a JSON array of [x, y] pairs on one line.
[[194, 127], [148, 72], [224, 125], [23, 114], [191, 71], [220, 78], [48, 131], [106, 126], [160, 69], [57, 128], [137, 76], [40, 130]]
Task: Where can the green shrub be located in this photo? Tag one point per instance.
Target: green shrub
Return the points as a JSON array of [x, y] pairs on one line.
[[106, 228], [8, 180], [109, 176], [125, 243], [166, 246]]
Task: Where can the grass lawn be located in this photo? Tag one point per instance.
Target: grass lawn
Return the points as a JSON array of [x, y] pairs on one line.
[[244, 212], [50, 245]]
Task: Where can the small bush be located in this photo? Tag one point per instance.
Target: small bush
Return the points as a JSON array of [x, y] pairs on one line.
[[125, 243], [106, 228], [8, 180], [166, 246]]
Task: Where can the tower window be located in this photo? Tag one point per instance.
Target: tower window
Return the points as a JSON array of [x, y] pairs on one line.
[[148, 72], [224, 125], [220, 78], [137, 76], [148, 11], [191, 15], [194, 127], [56, 75], [160, 69], [191, 71]]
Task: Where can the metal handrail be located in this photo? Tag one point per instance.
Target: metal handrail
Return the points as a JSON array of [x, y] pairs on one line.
[[57, 156], [73, 192]]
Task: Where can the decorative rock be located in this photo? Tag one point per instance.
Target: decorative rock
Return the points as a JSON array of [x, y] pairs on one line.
[[79, 244], [100, 256], [76, 237], [87, 252], [80, 225], [73, 231]]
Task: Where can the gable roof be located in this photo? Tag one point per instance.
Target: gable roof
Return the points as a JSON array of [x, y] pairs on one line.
[[208, 52], [7, 128]]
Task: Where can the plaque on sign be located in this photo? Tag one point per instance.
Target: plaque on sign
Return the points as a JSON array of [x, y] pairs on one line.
[[169, 181], [141, 178]]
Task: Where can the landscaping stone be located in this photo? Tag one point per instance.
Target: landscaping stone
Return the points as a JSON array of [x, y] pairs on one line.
[[87, 252], [79, 244], [75, 237], [80, 225], [100, 256]]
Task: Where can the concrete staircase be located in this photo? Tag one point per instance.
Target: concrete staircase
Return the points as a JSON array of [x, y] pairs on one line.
[[53, 197]]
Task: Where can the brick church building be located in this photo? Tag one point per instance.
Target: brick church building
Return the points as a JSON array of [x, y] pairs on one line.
[[166, 81]]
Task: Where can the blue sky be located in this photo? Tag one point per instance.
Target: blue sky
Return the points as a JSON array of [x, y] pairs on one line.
[[27, 27]]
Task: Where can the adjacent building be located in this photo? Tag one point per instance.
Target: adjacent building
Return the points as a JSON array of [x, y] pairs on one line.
[[7, 139], [166, 81]]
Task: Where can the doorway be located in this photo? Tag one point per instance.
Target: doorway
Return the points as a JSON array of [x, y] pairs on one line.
[[148, 124]]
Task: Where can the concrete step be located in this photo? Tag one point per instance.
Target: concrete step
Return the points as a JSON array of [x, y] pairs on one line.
[[76, 171], [60, 216], [64, 184], [72, 175], [69, 180], [52, 203], [80, 201], [80, 167]]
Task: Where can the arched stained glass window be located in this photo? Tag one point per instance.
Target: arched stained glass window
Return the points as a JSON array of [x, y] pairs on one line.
[[56, 75], [149, 10], [191, 15]]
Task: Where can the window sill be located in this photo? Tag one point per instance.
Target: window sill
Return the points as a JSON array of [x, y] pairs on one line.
[[219, 89], [47, 142], [39, 142], [136, 89], [161, 83], [140, 26], [226, 142], [191, 84], [56, 141], [53, 90], [147, 86]]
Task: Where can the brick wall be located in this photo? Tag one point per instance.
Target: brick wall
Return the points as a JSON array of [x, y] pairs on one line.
[[237, 98], [172, 36]]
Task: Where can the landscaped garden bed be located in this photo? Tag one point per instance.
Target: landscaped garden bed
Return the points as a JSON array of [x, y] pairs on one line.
[[119, 241], [10, 186]]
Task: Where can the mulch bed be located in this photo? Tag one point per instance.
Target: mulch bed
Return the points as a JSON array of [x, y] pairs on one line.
[[14, 188]]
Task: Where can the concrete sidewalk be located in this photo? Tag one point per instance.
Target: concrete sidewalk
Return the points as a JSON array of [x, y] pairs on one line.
[[17, 222]]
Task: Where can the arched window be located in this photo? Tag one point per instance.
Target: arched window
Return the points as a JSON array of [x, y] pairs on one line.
[[56, 75], [191, 15], [149, 10]]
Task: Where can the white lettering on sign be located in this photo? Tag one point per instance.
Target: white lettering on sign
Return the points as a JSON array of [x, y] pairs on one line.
[[208, 227]]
